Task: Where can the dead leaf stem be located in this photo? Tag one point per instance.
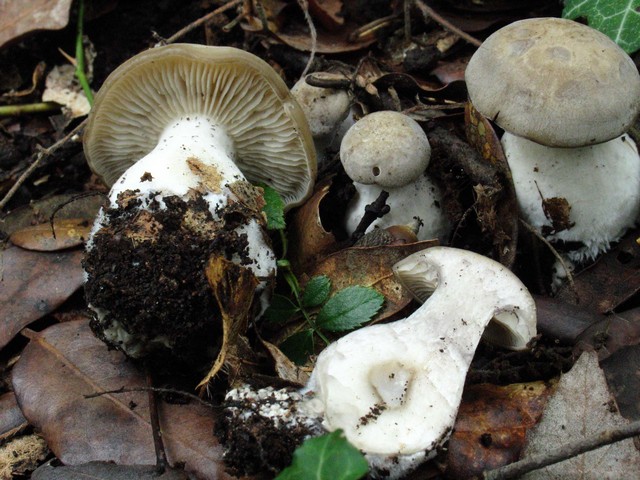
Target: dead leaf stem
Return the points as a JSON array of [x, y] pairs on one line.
[[428, 12], [201, 21], [564, 452]]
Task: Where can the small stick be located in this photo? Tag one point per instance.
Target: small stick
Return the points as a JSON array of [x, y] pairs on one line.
[[374, 210], [202, 20], [427, 12], [41, 155], [564, 452], [161, 454], [172, 391], [24, 109]]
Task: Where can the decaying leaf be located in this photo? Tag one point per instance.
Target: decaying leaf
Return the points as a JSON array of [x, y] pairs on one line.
[[11, 419], [62, 87], [370, 267], [105, 471], [233, 287], [611, 281], [66, 233], [66, 362], [18, 18], [491, 426], [308, 240], [285, 368], [621, 370], [498, 215], [558, 211], [582, 407], [34, 284]]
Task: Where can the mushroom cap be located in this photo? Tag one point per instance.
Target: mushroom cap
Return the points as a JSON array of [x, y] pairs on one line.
[[237, 90], [601, 184], [554, 81], [325, 108], [385, 148]]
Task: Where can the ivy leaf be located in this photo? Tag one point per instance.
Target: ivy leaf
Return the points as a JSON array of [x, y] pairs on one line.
[[329, 457], [298, 347], [349, 308], [280, 309], [273, 208], [618, 19], [316, 292]]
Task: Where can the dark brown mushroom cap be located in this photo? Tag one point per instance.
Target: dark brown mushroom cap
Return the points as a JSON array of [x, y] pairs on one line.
[[554, 81], [233, 88]]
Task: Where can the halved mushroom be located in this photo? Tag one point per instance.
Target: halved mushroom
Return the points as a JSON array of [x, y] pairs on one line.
[[395, 388], [184, 127]]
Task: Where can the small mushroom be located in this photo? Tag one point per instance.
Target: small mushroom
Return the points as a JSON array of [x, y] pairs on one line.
[[565, 94], [395, 388], [184, 127], [389, 151]]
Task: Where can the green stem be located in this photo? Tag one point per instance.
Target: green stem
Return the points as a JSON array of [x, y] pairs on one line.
[[42, 107], [82, 78]]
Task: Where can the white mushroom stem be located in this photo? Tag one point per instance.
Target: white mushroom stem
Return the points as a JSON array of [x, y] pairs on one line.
[[601, 184], [395, 388]]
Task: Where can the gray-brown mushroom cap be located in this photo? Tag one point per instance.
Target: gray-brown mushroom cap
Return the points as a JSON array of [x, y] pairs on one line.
[[234, 88], [554, 81]]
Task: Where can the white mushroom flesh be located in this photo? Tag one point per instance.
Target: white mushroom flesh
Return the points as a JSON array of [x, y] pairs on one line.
[[395, 388], [601, 184]]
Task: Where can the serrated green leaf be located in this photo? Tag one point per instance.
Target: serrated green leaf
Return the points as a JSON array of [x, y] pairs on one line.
[[298, 347], [316, 292], [329, 457], [349, 308], [280, 309], [273, 208], [618, 19]]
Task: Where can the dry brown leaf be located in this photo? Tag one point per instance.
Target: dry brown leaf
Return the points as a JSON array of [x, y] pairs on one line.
[[11, 418], [33, 285], [370, 267], [66, 362], [328, 13], [69, 233], [309, 241], [285, 368], [18, 17], [104, 471], [233, 287], [582, 407], [491, 426]]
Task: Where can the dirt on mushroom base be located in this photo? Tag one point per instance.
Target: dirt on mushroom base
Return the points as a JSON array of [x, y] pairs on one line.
[[159, 288]]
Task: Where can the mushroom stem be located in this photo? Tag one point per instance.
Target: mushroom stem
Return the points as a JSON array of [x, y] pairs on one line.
[[175, 166], [395, 388]]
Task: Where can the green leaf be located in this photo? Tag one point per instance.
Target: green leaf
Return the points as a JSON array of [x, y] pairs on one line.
[[618, 19], [298, 347], [316, 292], [349, 308], [280, 310], [329, 457], [273, 208]]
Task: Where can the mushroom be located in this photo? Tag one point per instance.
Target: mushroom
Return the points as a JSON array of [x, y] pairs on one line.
[[184, 127], [395, 388], [565, 94], [326, 109], [389, 151]]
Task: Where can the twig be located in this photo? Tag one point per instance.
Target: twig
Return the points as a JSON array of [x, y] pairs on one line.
[[172, 391], [41, 155], [156, 429], [41, 107], [202, 20], [564, 452], [428, 12], [377, 209], [304, 6]]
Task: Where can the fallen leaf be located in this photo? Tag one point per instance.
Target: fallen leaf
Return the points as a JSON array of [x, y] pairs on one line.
[[622, 370], [34, 284], [234, 288], [328, 13], [66, 362], [582, 407], [285, 368], [370, 267], [11, 418], [66, 233], [491, 426], [104, 471], [18, 17]]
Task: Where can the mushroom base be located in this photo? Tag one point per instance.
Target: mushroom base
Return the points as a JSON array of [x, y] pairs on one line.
[[146, 278]]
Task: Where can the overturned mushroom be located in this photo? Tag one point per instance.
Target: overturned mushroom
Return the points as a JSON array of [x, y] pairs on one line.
[[190, 125], [395, 388], [389, 151]]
